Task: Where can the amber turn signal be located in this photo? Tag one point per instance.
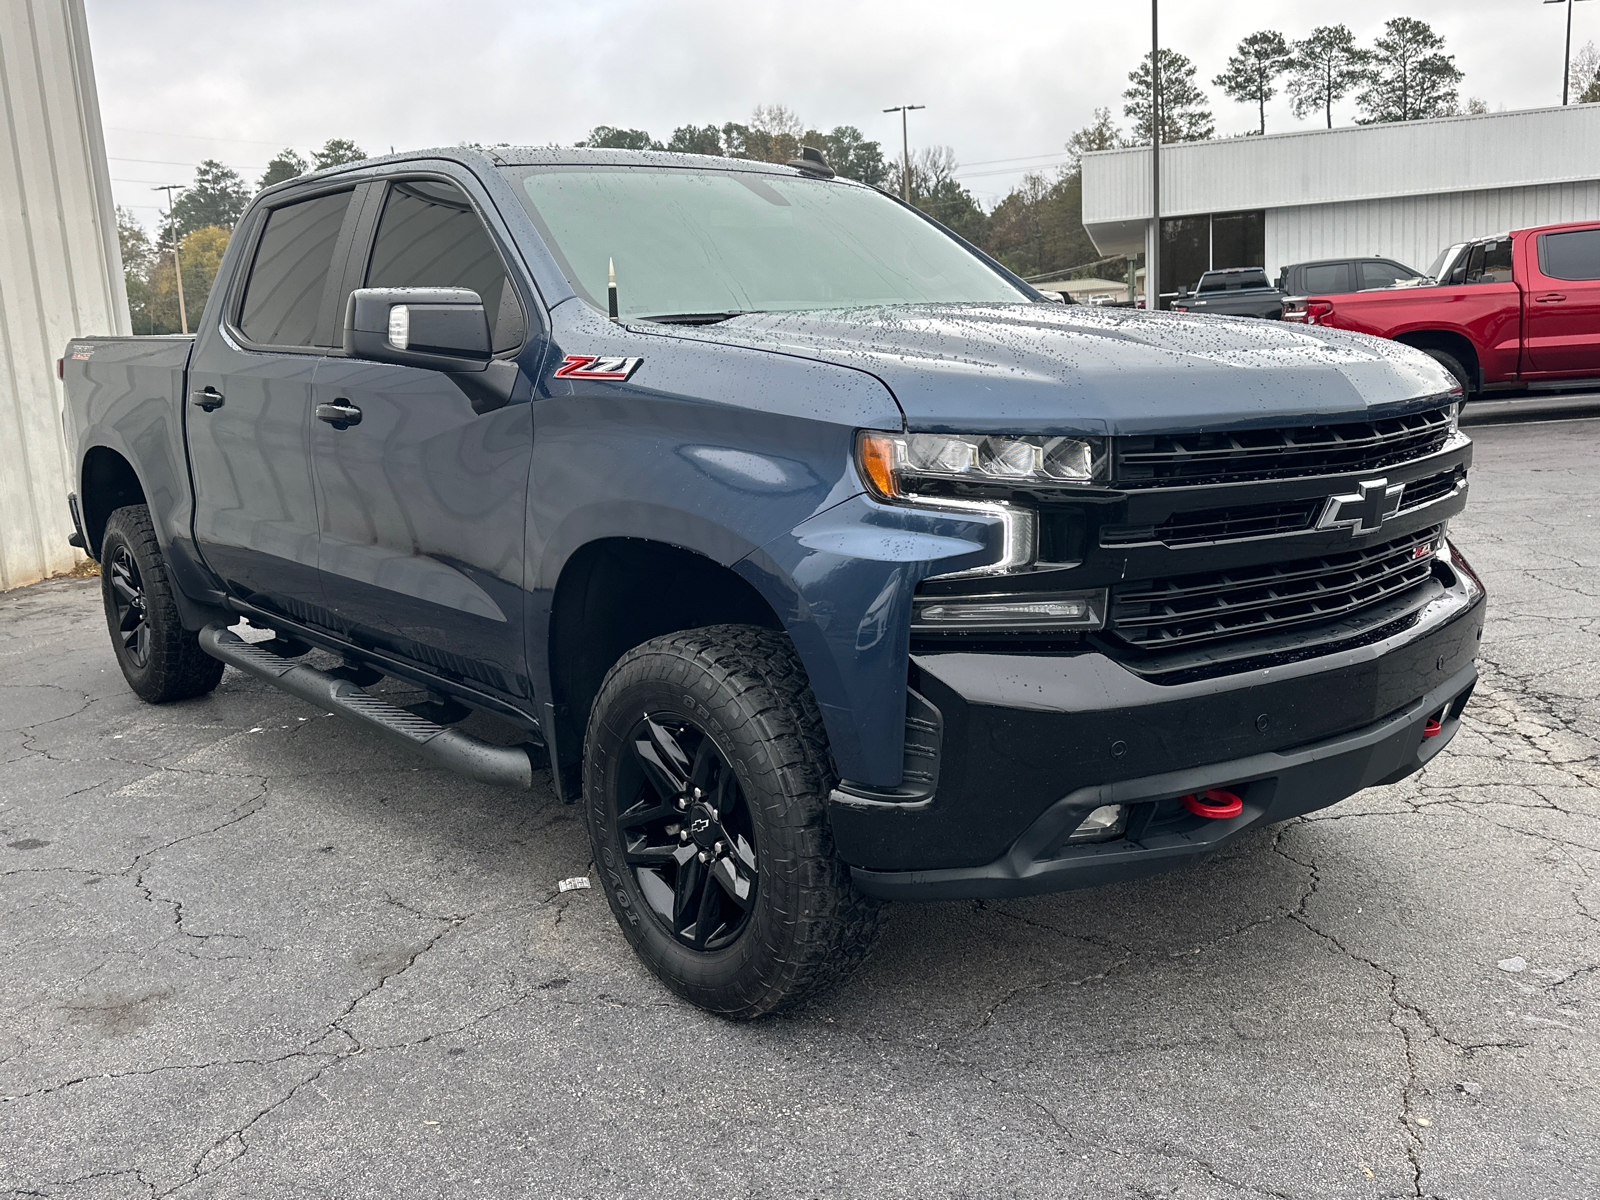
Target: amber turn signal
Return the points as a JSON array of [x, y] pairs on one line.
[[875, 453]]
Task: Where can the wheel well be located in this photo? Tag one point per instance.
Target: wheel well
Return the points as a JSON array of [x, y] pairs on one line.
[[109, 483], [618, 593], [1451, 343]]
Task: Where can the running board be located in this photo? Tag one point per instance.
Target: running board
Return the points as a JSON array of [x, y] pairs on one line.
[[504, 766]]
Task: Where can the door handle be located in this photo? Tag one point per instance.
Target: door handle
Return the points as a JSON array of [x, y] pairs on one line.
[[341, 414], [207, 398], [1549, 298]]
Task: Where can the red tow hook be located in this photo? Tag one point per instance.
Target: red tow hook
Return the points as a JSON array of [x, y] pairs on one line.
[[1433, 728], [1215, 803]]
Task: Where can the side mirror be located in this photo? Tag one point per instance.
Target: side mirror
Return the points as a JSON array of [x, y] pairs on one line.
[[444, 329]]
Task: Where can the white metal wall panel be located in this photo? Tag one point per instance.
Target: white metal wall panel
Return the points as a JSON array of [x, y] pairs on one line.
[[60, 268], [1413, 229], [1365, 162]]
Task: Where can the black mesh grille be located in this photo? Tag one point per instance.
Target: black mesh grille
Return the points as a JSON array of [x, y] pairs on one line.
[[1434, 487], [1218, 525], [1191, 609], [1201, 458]]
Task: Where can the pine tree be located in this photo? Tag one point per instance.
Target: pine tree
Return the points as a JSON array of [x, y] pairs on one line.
[[218, 196], [1100, 134], [336, 152], [1409, 77], [1325, 68], [1253, 71], [1184, 115], [286, 164]]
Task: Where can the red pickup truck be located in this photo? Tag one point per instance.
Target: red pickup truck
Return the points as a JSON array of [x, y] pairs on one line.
[[1519, 309]]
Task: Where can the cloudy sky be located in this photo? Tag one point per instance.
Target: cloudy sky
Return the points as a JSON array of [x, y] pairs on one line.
[[1005, 82]]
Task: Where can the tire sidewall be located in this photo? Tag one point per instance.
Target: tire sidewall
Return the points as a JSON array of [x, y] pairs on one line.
[[139, 678], [697, 698]]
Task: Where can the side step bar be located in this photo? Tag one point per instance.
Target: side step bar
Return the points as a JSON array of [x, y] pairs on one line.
[[504, 766]]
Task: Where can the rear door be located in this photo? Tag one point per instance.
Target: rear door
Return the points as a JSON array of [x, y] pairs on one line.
[[423, 503], [1562, 302], [248, 416]]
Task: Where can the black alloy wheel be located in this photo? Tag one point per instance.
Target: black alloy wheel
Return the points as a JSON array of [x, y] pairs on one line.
[[161, 660], [687, 835], [127, 594], [705, 787]]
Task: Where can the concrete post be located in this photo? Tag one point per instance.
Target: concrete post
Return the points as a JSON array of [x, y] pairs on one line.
[[60, 268]]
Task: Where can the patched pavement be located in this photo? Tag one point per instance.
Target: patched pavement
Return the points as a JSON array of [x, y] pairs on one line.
[[249, 951]]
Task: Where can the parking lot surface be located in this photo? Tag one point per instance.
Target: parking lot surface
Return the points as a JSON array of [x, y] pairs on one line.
[[250, 951]]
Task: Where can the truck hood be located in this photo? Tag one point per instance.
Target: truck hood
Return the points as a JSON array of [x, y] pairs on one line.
[[1046, 368]]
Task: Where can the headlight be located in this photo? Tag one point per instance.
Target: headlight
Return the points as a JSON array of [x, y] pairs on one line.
[[895, 464], [1011, 612]]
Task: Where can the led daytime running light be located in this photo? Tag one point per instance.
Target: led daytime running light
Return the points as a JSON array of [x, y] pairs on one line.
[[893, 463]]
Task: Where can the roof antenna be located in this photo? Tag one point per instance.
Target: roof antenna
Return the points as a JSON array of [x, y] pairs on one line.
[[611, 287], [813, 162]]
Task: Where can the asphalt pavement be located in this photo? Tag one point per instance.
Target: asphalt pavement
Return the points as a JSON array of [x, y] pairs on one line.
[[248, 951]]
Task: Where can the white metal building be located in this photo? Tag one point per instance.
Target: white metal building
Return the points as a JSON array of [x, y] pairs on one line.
[[1401, 191], [60, 267]]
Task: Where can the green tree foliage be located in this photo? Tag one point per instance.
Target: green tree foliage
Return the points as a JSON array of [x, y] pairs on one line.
[[286, 164], [1184, 115], [850, 154], [336, 152], [137, 254], [937, 192], [1253, 71], [156, 308], [1326, 67], [1038, 228], [1591, 94], [609, 137], [695, 139], [1409, 77], [216, 197], [1100, 134]]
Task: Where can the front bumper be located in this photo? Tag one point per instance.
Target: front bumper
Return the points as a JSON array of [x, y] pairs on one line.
[[1286, 738]]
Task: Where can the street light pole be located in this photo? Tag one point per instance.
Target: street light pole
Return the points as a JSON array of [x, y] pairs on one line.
[[177, 267], [1566, 59], [1152, 256], [905, 148]]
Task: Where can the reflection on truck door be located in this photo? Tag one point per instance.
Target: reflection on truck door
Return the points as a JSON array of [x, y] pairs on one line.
[[1563, 302]]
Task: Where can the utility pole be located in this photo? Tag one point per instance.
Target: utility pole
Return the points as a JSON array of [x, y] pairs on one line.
[[1152, 255], [905, 148], [177, 267], [1566, 59]]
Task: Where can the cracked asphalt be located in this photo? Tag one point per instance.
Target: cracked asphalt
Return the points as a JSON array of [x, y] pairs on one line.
[[248, 952]]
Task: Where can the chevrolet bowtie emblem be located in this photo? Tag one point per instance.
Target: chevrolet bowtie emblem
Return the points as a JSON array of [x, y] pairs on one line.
[[1366, 509]]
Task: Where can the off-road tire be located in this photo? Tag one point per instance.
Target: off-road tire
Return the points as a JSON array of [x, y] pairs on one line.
[[1452, 364], [175, 668], [744, 687]]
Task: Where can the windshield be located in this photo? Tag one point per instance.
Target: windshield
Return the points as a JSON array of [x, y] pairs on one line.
[[1445, 256], [708, 242]]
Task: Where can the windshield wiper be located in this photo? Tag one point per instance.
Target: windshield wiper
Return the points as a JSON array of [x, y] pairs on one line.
[[700, 318]]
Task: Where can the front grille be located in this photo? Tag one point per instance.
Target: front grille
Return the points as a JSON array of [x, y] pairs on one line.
[[1182, 460], [1263, 520], [1188, 610], [1434, 487], [1218, 525]]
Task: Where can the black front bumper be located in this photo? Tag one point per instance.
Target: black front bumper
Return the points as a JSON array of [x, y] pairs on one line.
[[1032, 744]]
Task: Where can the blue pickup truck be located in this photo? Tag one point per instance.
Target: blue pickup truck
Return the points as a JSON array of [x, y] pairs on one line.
[[821, 559]]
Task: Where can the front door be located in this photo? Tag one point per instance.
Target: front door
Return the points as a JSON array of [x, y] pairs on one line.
[[1562, 303], [423, 501], [248, 412]]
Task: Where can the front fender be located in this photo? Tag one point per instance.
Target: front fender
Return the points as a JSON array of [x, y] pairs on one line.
[[842, 583]]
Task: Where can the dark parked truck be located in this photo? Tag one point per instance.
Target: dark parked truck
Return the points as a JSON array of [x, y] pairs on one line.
[[1233, 292], [822, 560]]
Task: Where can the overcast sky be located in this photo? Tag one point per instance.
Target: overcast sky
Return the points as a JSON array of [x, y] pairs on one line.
[[1005, 82]]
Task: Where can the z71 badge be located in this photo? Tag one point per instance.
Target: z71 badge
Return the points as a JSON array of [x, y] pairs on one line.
[[592, 366]]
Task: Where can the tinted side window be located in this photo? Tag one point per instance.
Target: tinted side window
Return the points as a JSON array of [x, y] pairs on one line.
[[283, 296], [1574, 255], [1329, 277], [429, 236], [1383, 274]]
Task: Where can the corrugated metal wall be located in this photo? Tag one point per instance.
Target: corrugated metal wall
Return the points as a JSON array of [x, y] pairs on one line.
[[60, 268], [1413, 229]]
